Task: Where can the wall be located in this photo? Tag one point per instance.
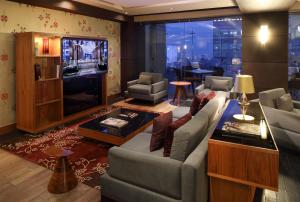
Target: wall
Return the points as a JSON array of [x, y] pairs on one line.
[[15, 17], [269, 63]]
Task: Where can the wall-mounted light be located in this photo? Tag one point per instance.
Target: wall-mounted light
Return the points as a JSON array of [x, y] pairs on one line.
[[185, 47], [264, 34]]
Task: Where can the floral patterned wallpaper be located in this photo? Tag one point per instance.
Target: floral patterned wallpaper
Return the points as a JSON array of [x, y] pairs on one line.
[[15, 17]]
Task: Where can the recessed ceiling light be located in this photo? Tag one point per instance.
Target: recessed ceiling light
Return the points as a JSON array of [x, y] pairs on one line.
[[171, 8]]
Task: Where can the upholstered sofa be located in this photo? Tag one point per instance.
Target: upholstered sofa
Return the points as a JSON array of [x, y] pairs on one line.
[[138, 175], [207, 85], [285, 125], [153, 92]]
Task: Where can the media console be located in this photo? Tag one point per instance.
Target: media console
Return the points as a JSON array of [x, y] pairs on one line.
[[58, 79]]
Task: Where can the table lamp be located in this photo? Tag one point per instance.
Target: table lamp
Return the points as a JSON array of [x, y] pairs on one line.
[[244, 85]]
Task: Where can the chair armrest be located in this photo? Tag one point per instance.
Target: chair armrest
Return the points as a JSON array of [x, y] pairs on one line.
[[157, 87], [200, 88], [282, 119], [131, 83], [296, 104], [159, 174], [194, 174]]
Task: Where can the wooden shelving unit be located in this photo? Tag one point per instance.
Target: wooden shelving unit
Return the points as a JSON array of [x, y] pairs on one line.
[[39, 102]]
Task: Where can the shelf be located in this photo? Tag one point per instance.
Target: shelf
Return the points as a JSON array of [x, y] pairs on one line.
[[49, 79], [48, 102], [47, 56]]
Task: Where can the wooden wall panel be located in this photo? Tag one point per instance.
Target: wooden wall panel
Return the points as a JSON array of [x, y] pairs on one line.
[[269, 63]]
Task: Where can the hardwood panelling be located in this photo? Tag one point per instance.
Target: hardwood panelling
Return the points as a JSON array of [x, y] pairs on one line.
[[267, 75], [25, 87], [242, 164], [7, 129], [253, 51], [267, 63], [131, 52], [229, 191], [277, 22], [78, 8]]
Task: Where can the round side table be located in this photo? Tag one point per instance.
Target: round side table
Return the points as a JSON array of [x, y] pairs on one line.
[[63, 178], [180, 89]]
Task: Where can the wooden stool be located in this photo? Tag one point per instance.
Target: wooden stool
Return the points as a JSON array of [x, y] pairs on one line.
[[63, 178], [179, 90]]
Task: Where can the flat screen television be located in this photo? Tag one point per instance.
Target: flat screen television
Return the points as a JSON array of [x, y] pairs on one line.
[[84, 61]]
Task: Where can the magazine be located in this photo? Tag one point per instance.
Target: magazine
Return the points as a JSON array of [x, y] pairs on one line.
[[118, 123], [241, 128]]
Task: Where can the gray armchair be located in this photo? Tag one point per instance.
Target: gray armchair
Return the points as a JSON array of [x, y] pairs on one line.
[[153, 92], [207, 85], [285, 125]]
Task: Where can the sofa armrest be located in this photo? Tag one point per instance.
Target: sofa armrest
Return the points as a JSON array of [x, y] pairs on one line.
[[194, 174], [131, 83], [157, 87], [200, 88], [296, 104], [159, 174], [282, 119]]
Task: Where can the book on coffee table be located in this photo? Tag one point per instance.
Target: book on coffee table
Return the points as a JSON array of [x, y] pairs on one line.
[[247, 128], [114, 122]]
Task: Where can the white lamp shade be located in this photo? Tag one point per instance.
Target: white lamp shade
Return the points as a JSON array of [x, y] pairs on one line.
[[244, 84]]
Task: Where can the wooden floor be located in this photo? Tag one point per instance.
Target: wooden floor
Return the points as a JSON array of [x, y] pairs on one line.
[[145, 106], [21, 180]]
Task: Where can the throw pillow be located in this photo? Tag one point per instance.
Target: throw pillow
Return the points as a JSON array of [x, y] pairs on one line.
[[207, 98], [218, 84], [196, 103], [145, 79], [170, 132], [160, 125], [285, 103]]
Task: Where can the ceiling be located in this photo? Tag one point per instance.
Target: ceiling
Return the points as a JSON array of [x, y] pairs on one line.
[[144, 7]]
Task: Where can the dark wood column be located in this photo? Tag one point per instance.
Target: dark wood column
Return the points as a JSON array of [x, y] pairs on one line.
[[132, 52], [267, 63]]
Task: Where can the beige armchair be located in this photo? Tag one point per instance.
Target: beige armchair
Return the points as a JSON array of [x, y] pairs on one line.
[[285, 125], [154, 92]]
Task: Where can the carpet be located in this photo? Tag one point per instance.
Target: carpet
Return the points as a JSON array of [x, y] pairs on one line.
[[89, 159]]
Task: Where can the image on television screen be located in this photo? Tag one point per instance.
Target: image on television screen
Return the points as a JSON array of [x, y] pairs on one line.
[[84, 56]]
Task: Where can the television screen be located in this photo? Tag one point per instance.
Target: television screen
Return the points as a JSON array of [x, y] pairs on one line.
[[84, 55], [83, 63]]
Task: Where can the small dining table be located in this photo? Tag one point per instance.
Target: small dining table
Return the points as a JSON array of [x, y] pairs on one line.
[[200, 72]]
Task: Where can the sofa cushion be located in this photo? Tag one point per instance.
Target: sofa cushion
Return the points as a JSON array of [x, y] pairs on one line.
[[218, 84], [140, 89], [180, 112], [160, 125], [208, 80], [170, 132], [285, 103], [268, 97], [145, 79], [187, 137], [197, 103], [140, 143], [156, 77]]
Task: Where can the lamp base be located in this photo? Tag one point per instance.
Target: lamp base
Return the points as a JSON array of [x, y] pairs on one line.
[[242, 117]]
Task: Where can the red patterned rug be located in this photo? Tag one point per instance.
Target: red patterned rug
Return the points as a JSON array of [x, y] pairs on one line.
[[89, 160]]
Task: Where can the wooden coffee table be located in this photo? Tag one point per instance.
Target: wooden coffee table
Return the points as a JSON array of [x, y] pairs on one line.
[[180, 90], [113, 135]]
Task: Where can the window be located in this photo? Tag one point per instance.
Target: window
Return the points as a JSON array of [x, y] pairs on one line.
[[210, 44], [294, 56]]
